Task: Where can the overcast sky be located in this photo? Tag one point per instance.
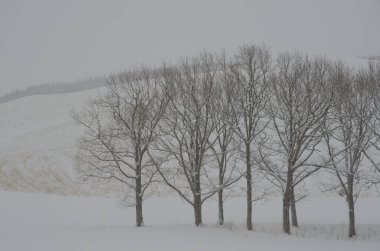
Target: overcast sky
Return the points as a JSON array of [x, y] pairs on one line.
[[57, 41]]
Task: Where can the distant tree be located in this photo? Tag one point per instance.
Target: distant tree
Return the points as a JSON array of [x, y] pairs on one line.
[[120, 126], [55, 88]]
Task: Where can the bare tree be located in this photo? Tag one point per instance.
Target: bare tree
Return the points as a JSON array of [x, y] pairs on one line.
[[349, 142], [299, 105], [249, 72], [186, 130], [120, 126], [225, 149]]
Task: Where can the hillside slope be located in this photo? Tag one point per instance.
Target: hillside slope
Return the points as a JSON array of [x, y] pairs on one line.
[[37, 142]]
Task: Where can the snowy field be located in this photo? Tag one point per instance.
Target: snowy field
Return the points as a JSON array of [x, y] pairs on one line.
[[37, 222]]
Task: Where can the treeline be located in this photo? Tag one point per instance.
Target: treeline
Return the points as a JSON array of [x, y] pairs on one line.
[[54, 89], [206, 122]]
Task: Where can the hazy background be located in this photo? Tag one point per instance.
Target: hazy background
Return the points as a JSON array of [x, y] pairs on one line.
[[44, 41]]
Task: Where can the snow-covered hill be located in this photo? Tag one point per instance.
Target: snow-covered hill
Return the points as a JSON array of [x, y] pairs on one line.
[[37, 141]]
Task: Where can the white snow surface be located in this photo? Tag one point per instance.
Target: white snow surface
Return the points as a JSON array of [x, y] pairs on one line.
[[38, 222]]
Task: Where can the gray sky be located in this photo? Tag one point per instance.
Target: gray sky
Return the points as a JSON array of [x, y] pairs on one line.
[[43, 41]]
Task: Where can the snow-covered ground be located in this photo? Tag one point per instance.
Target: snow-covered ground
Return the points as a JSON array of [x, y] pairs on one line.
[[38, 222]]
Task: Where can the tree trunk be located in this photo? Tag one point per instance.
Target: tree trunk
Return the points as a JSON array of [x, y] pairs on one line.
[[285, 214], [220, 195], [351, 207], [221, 213], [351, 216], [197, 201], [249, 188], [286, 203], [197, 211], [139, 212], [293, 208]]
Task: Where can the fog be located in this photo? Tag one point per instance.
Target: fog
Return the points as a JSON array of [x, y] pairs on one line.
[[62, 41]]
